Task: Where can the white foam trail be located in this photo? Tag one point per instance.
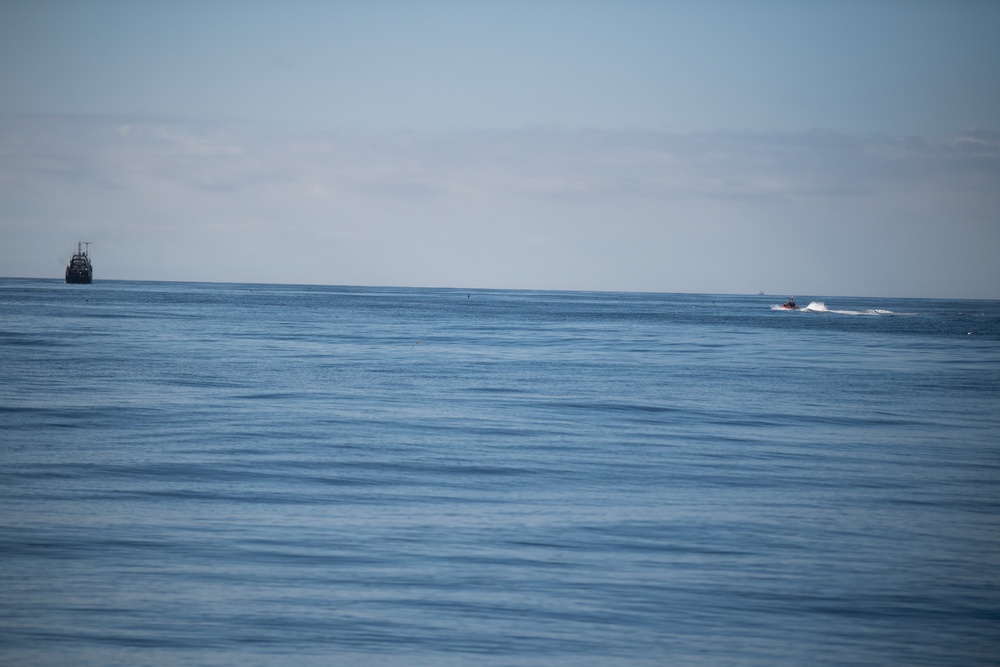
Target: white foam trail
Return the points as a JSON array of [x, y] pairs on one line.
[[871, 311], [820, 307]]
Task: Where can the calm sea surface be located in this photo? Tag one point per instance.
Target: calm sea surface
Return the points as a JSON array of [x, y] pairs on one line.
[[216, 474]]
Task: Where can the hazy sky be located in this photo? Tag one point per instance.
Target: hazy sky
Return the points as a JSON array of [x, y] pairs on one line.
[[793, 147]]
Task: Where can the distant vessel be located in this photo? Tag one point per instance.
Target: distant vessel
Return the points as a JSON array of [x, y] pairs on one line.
[[790, 304], [80, 270]]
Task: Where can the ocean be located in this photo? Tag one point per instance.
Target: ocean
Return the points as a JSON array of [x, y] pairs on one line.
[[234, 474]]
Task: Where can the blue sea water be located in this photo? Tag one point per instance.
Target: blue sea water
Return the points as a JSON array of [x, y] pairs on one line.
[[221, 474]]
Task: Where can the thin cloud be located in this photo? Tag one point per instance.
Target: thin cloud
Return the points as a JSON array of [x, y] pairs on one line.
[[534, 208], [533, 162]]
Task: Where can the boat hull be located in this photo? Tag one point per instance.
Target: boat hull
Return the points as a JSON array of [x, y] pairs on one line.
[[79, 277]]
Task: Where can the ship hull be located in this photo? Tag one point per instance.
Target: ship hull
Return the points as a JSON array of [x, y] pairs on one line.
[[79, 277]]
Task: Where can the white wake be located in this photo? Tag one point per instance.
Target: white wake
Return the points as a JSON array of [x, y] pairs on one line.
[[820, 307]]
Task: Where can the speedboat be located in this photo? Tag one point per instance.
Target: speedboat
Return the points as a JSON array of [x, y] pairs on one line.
[[790, 304]]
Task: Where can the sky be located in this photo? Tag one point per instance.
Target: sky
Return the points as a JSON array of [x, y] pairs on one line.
[[822, 148]]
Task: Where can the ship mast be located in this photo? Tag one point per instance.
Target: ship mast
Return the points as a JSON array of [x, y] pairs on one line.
[[80, 250]]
